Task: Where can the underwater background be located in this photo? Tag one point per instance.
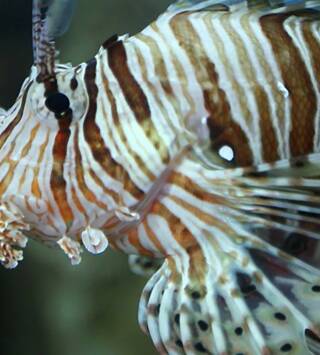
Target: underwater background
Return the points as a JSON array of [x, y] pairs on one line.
[[49, 307]]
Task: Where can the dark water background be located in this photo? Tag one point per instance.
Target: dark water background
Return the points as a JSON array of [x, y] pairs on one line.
[[49, 307]]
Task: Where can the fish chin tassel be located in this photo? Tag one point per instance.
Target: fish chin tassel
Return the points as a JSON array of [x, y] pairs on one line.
[[11, 235], [229, 305]]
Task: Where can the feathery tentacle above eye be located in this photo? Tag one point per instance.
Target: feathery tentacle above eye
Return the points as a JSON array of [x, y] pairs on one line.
[[50, 19]]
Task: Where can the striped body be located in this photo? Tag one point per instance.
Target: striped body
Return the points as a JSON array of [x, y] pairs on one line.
[[138, 156], [255, 78]]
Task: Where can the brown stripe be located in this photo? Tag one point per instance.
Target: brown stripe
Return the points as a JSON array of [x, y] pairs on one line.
[[154, 91], [201, 195], [314, 51], [93, 137], [180, 71], [234, 132], [270, 142], [205, 217], [268, 135], [160, 67], [197, 268], [115, 120], [314, 47], [110, 41], [179, 231], [297, 81], [135, 97], [223, 130], [57, 181]]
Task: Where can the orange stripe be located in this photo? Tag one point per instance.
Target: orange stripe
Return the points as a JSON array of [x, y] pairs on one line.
[[133, 237], [5, 182], [25, 151], [57, 181], [180, 232]]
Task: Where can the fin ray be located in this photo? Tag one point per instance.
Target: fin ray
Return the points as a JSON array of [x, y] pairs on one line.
[[219, 311]]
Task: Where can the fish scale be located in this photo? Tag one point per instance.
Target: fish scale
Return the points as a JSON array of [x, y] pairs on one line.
[[192, 146]]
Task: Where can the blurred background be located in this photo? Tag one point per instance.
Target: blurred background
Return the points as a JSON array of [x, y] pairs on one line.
[[49, 307]]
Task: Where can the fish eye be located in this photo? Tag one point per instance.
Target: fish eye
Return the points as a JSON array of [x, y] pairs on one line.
[[58, 103], [70, 99]]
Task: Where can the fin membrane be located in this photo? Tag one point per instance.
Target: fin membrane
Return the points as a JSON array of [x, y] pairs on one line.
[[238, 312], [256, 285]]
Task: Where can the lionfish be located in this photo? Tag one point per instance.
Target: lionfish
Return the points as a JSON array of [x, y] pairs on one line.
[[195, 142]]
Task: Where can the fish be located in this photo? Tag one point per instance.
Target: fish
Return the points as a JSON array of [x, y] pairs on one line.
[[193, 146]]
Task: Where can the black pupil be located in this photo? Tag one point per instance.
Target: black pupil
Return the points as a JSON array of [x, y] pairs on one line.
[[57, 103]]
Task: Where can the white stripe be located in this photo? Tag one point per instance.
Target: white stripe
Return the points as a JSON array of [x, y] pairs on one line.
[[315, 28], [293, 27], [79, 219], [145, 241], [125, 159], [162, 231], [211, 49], [192, 84], [25, 188], [88, 162], [260, 71], [4, 168], [238, 75], [173, 75], [108, 132], [161, 103], [44, 178], [135, 134], [275, 78]]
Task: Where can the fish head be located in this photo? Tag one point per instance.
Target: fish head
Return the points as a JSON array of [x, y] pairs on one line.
[[34, 137]]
